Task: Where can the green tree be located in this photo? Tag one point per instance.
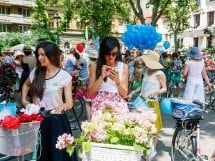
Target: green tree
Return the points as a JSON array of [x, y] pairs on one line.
[[66, 7], [178, 15], [41, 19], [158, 9], [98, 15]]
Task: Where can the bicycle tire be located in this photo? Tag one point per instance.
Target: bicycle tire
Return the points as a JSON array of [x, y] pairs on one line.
[[183, 148], [5, 157], [79, 109]]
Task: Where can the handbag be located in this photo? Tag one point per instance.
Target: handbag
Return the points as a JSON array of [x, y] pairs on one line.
[[138, 101]]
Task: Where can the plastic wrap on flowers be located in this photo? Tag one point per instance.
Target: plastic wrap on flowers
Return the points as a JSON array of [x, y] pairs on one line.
[[141, 37], [19, 141]]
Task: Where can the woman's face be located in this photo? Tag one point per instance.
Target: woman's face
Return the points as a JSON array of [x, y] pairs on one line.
[[43, 59], [110, 58]]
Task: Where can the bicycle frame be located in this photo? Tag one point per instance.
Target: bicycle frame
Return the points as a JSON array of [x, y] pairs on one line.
[[192, 133]]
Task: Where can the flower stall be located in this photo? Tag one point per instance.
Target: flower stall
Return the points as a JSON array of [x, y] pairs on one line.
[[112, 135], [19, 133]]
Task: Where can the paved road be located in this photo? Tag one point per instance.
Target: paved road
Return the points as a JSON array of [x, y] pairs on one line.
[[207, 138]]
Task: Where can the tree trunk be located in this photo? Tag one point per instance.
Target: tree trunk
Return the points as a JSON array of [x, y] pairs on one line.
[[176, 42]]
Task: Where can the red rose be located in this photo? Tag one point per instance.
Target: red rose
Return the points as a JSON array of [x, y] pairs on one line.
[[25, 118], [10, 122], [37, 117]]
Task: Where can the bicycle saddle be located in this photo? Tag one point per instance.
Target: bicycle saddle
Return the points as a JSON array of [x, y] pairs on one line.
[[195, 115]]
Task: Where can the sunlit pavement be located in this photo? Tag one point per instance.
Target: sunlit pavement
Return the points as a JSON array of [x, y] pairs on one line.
[[207, 136]]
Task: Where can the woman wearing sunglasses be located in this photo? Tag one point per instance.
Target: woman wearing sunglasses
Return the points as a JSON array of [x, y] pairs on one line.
[[109, 77]]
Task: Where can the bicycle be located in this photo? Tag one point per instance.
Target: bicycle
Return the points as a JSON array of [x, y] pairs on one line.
[[5, 89], [186, 137]]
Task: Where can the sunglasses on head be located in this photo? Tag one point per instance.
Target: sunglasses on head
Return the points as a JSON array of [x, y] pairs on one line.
[[113, 54]]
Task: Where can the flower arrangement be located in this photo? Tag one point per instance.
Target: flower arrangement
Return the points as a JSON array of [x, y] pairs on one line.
[[112, 127], [19, 133], [9, 122]]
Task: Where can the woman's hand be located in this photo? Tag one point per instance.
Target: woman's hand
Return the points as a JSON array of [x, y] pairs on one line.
[[105, 71], [114, 75], [25, 102], [210, 87], [60, 108], [130, 95]]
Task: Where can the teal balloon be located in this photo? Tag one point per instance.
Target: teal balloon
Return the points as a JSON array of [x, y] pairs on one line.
[[166, 44], [166, 106]]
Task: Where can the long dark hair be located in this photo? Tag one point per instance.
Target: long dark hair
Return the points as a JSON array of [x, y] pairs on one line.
[[53, 54], [107, 44]]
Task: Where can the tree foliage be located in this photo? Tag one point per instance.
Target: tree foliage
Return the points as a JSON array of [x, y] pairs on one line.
[[98, 15], [41, 19], [177, 15]]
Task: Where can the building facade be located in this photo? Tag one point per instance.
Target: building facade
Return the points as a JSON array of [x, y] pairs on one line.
[[202, 31], [15, 16]]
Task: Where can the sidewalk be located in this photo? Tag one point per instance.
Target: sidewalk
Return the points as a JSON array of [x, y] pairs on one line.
[[207, 139]]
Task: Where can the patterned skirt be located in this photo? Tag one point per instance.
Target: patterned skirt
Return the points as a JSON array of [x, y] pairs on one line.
[[108, 98]]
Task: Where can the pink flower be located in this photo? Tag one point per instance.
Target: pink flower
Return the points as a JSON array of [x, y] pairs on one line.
[[64, 140]]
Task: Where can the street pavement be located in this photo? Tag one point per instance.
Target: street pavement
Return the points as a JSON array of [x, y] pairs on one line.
[[207, 136]]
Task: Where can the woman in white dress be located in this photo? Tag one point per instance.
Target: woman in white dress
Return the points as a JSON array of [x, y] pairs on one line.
[[109, 77], [194, 72]]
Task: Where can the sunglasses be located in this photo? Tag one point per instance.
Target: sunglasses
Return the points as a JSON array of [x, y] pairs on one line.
[[113, 54]]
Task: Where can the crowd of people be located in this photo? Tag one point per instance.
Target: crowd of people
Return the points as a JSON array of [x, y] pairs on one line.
[[45, 78]]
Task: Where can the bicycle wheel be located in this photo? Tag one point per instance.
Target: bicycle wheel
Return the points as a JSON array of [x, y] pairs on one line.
[[5, 157], [78, 108], [184, 145]]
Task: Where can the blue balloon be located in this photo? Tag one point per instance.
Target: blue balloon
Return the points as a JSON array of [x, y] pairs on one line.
[[166, 106], [166, 44], [141, 37]]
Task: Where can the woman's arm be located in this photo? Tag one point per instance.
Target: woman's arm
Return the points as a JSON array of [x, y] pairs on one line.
[[162, 79], [123, 85], [205, 76], [68, 104], [185, 71], [25, 89], [94, 84]]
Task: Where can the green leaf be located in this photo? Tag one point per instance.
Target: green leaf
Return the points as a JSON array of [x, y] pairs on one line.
[[114, 140], [70, 149], [86, 146]]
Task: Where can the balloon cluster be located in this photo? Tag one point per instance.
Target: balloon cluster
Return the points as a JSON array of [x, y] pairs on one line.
[[141, 37]]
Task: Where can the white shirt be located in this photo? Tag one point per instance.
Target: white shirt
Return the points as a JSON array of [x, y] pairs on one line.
[[150, 83], [53, 92], [110, 85]]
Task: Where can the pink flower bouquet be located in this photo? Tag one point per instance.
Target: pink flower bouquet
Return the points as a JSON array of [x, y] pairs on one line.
[[112, 127]]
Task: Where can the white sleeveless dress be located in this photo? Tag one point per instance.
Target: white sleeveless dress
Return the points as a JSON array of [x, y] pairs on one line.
[[194, 89], [109, 94]]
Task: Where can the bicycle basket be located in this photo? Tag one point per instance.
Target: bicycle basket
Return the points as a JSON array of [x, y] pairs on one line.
[[181, 108], [20, 141]]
